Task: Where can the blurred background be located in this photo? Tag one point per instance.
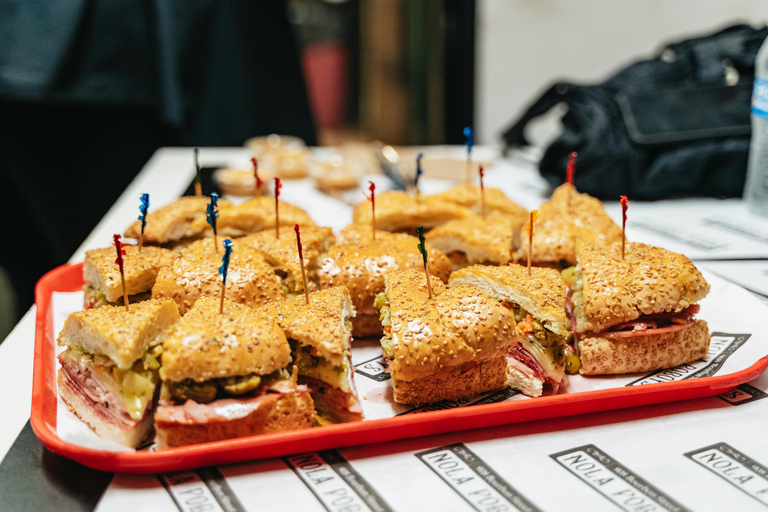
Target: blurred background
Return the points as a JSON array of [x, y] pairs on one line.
[[89, 89]]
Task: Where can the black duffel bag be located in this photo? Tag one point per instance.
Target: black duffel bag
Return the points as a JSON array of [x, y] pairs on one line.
[[676, 125]]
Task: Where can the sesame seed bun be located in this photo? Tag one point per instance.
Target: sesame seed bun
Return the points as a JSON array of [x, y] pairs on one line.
[[173, 222], [252, 216], [456, 327], [289, 412], [319, 324], [120, 334], [468, 196], [282, 254], [195, 274], [487, 240], [567, 218], [141, 267], [206, 344], [542, 294], [397, 211], [607, 356], [361, 266], [649, 280]]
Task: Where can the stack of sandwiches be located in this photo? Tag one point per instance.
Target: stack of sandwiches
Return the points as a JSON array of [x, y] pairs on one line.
[[320, 335], [635, 314], [361, 263], [195, 274], [226, 375], [175, 223], [252, 216], [280, 254], [276, 359], [109, 370], [103, 284], [451, 346], [568, 217]]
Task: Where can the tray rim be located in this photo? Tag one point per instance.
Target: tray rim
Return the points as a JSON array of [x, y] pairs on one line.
[[68, 277]]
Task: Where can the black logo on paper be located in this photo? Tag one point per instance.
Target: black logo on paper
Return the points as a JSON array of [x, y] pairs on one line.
[[374, 369], [489, 398], [203, 489], [737, 226], [474, 480], [721, 347], [742, 394], [614, 481], [335, 483], [736, 468]]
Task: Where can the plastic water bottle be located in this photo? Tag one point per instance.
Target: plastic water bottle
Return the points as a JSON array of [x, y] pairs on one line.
[[756, 189]]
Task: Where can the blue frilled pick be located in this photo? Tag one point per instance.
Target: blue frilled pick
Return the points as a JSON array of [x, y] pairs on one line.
[[144, 208], [419, 170], [212, 212], [225, 260], [469, 135]]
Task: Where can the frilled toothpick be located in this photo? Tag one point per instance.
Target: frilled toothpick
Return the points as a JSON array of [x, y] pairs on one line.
[[570, 168], [212, 216], [469, 136], [417, 177], [423, 250], [624, 203], [223, 269], [120, 253], [372, 199], [278, 186], [259, 181], [301, 262], [198, 181], [533, 216], [143, 209], [482, 191]]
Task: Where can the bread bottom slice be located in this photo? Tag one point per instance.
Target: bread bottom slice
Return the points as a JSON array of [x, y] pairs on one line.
[[366, 326], [290, 412], [88, 412], [609, 356], [453, 383]]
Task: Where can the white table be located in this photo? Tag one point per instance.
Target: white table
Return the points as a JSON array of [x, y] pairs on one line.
[[646, 441]]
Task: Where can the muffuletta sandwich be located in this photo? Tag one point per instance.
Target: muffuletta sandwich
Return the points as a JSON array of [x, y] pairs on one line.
[[176, 222], [252, 216], [401, 212]]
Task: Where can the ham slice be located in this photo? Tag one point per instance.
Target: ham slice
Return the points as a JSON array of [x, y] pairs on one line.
[[109, 406], [224, 409]]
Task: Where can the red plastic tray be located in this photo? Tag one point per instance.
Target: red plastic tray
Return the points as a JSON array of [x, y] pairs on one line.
[[69, 278]]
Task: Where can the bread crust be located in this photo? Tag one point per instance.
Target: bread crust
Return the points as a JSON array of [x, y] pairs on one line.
[[468, 196], [195, 274], [396, 211], [174, 221], [319, 324], [252, 216], [453, 382], [85, 410], [567, 218], [205, 344], [120, 334], [282, 255], [455, 327], [609, 356], [648, 280], [291, 412], [487, 240], [361, 266], [543, 294], [140, 267]]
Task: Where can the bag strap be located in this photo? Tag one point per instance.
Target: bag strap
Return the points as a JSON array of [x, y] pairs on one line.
[[515, 135]]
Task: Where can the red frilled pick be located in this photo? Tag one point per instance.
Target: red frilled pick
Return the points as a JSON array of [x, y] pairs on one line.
[[570, 168]]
